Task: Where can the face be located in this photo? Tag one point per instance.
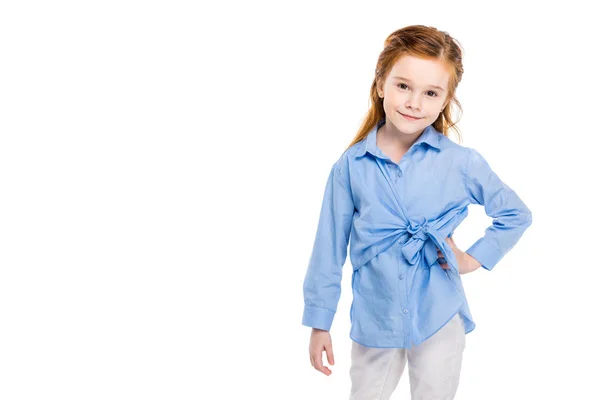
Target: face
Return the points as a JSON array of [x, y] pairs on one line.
[[415, 87]]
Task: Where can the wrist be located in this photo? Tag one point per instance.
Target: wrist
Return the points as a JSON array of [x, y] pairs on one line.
[[473, 262]]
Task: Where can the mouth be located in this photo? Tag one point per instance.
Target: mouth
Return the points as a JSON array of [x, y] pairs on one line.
[[408, 117]]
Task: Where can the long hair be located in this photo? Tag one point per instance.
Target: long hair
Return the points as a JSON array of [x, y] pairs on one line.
[[419, 41]]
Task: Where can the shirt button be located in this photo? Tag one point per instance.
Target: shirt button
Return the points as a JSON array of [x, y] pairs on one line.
[[405, 311], [401, 276], [399, 173]]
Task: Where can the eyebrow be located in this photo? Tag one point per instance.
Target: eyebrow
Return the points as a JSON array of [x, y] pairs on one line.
[[408, 80]]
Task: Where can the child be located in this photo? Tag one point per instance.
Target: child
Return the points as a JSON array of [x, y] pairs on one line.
[[397, 193]]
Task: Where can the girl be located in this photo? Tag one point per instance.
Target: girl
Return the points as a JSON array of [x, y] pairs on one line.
[[397, 193]]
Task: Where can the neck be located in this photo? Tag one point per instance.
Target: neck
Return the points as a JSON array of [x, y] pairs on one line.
[[391, 135]]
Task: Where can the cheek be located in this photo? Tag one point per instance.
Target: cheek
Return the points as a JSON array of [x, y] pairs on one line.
[[434, 109], [394, 101]]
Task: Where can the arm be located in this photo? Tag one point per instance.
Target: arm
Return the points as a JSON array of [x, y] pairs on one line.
[[324, 273], [511, 217]]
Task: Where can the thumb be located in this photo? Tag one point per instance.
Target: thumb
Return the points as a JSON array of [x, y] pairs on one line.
[[329, 351]]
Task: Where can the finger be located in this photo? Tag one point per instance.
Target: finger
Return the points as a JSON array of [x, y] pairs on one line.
[[442, 260], [443, 263], [319, 364], [329, 351]]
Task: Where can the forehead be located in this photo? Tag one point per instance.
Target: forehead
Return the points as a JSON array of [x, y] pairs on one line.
[[421, 71]]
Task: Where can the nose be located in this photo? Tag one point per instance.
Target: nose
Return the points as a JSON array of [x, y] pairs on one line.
[[413, 102]]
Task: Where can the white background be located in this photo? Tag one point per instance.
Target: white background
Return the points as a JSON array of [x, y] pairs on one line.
[[162, 167]]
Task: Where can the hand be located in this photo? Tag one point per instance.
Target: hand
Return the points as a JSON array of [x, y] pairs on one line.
[[466, 262], [320, 340]]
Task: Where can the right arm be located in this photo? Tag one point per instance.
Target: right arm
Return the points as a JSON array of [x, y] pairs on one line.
[[324, 273]]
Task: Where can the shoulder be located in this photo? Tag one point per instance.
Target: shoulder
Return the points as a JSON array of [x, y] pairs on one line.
[[468, 158], [447, 144], [471, 160], [343, 165], [453, 150]]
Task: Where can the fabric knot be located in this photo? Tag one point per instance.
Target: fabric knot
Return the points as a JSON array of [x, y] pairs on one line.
[[418, 230], [423, 244]]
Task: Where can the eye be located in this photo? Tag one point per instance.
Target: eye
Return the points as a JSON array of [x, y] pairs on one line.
[[433, 94]]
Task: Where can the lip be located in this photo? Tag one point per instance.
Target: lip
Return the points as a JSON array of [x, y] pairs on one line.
[[408, 117]]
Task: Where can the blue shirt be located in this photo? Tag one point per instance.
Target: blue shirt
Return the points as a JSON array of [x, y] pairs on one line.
[[396, 216]]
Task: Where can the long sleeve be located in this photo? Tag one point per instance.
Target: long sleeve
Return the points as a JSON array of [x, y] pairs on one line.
[[324, 274], [511, 217]]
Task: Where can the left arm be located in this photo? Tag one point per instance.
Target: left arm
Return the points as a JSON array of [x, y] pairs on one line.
[[511, 217]]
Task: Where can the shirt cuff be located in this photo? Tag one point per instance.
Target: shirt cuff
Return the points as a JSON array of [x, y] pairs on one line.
[[317, 317], [487, 254]]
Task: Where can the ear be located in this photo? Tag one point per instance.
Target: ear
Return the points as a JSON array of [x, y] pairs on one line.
[[379, 88]]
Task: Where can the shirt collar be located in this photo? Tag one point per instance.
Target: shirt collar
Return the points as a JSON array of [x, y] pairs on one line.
[[429, 136]]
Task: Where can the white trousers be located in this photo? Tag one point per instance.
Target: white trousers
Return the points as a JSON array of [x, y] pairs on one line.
[[433, 366]]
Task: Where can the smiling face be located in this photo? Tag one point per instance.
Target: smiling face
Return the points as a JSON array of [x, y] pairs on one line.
[[415, 87]]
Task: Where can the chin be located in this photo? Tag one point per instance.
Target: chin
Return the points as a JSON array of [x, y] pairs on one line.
[[409, 127]]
